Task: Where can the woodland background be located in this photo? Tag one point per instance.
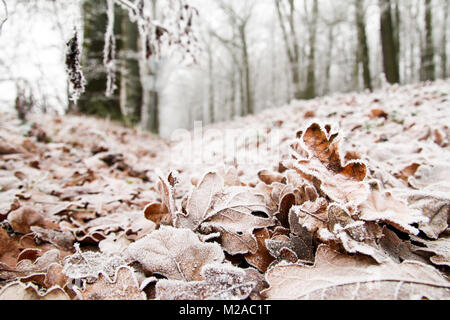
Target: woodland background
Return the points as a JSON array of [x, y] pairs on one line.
[[247, 56]]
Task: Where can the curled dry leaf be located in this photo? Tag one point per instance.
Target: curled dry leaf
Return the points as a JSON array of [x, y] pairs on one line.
[[220, 282], [123, 286], [262, 258], [22, 219], [338, 276], [269, 177], [164, 212], [177, 254], [324, 167], [356, 236]]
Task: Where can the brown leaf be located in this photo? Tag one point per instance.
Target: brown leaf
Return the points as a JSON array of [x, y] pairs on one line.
[[323, 146], [163, 213], [262, 258], [175, 253], [269, 177], [339, 276]]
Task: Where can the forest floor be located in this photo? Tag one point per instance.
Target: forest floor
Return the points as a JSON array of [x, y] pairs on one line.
[[346, 196]]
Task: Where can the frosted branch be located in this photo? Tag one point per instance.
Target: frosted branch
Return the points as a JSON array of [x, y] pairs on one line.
[[6, 15]]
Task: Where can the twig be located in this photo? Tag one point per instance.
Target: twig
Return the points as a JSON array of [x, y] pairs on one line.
[[6, 15]]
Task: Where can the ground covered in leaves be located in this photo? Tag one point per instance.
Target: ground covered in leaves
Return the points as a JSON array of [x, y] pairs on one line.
[[351, 201]]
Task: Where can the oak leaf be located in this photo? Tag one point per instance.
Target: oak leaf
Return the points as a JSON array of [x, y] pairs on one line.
[[220, 282], [177, 254], [339, 276]]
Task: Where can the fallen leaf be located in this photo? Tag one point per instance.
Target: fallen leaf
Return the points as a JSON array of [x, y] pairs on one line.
[[384, 207], [123, 286], [174, 253], [338, 276], [20, 291], [220, 282]]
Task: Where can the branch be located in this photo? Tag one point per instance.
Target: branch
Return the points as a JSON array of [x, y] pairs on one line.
[[6, 15]]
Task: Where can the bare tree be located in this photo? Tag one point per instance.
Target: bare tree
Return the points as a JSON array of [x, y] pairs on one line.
[[444, 40], [388, 43], [310, 89], [239, 22], [362, 55], [427, 59], [286, 17]]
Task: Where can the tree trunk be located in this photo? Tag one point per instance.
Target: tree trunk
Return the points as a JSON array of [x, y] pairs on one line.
[[310, 91], [249, 105], [389, 48], [444, 41], [93, 101], [131, 88], [292, 46], [363, 48], [212, 117], [150, 96], [427, 61], [329, 59]]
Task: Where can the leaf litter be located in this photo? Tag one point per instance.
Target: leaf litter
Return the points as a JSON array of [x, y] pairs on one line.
[[353, 203]]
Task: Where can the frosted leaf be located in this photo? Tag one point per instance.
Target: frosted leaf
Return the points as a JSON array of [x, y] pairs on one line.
[[164, 212], [384, 207], [123, 286], [311, 215], [440, 250], [337, 187], [221, 282], [200, 201], [59, 238], [21, 291], [233, 217], [89, 264], [114, 244], [175, 253], [356, 236], [262, 258], [338, 276], [434, 206]]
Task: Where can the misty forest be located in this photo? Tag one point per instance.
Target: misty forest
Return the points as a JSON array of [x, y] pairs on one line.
[[224, 150]]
